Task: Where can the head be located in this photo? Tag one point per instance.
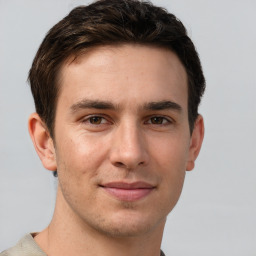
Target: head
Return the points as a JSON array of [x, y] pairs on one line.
[[111, 22], [117, 86]]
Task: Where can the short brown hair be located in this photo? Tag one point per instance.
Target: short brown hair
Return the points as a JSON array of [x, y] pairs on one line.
[[111, 22]]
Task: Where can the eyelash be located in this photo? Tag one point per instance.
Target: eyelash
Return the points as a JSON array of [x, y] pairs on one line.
[[163, 119], [89, 119]]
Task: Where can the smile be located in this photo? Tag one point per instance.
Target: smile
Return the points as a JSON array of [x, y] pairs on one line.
[[128, 191]]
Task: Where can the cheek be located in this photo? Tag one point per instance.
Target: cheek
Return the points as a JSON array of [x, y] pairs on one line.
[[171, 152], [78, 161], [170, 162], [80, 156]]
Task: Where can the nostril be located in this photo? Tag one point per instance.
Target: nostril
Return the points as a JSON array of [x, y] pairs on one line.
[[119, 164], [126, 166]]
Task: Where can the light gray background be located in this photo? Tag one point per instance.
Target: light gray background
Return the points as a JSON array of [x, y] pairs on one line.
[[216, 214]]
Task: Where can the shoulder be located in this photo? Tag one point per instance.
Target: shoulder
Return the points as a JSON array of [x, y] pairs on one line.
[[25, 247]]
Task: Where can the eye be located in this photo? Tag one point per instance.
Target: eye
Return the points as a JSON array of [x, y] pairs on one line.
[[158, 120], [96, 119], [96, 122]]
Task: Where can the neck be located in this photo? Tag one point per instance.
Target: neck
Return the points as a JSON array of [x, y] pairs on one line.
[[67, 235]]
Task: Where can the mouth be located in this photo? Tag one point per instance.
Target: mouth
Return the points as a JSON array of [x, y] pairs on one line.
[[128, 191]]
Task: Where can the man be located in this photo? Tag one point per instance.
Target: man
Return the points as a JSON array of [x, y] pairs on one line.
[[116, 87]]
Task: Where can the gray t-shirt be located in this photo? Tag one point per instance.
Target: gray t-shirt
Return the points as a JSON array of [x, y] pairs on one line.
[[28, 247], [25, 247]]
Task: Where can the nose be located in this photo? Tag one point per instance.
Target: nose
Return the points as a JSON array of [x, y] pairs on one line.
[[128, 148]]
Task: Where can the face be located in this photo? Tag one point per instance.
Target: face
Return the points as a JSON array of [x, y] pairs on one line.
[[122, 140]]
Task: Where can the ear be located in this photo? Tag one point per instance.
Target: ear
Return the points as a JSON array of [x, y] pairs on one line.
[[195, 142], [42, 141]]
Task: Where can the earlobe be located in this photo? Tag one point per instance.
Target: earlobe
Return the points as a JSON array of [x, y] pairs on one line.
[[42, 141], [195, 142]]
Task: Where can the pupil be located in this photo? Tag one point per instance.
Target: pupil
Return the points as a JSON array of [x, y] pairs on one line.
[[157, 120], [95, 120]]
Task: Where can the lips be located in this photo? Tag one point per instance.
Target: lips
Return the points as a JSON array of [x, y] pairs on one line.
[[128, 191]]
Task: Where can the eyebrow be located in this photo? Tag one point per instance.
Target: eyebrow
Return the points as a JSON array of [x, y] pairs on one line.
[[162, 105], [98, 104]]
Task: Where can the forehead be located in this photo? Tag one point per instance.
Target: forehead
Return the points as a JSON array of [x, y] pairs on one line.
[[124, 73]]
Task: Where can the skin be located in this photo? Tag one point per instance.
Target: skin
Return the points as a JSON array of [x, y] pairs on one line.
[[121, 117]]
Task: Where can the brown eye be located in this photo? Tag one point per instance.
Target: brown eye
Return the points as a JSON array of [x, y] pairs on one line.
[[95, 120], [157, 120]]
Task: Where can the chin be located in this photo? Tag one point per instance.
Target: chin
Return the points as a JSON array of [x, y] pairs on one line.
[[129, 225], [125, 230]]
